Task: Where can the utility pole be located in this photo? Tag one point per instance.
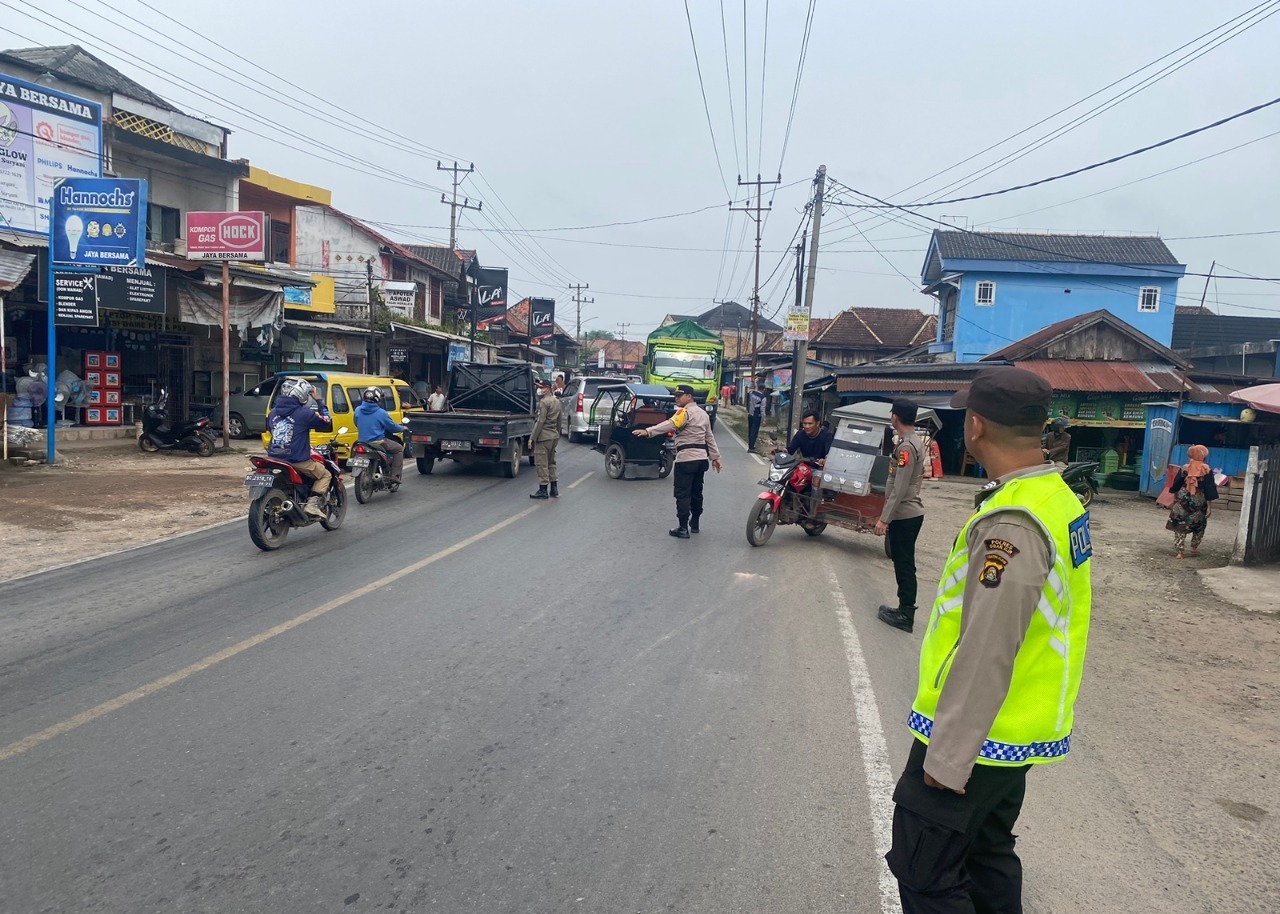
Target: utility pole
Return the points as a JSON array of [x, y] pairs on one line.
[[798, 358], [579, 301], [623, 331], [756, 212], [370, 368], [459, 175], [802, 348]]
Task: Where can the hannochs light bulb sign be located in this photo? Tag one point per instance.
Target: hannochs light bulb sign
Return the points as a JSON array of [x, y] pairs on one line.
[[98, 222], [227, 236]]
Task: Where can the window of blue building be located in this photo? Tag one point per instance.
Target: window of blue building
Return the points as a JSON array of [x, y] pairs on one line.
[[1149, 299], [985, 293]]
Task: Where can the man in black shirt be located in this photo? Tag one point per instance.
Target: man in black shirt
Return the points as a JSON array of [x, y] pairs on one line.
[[812, 442]]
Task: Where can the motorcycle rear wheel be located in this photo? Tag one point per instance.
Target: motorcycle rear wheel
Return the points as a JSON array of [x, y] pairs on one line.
[[268, 524], [205, 448], [1085, 495], [761, 522], [364, 486], [147, 444], [337, 507]]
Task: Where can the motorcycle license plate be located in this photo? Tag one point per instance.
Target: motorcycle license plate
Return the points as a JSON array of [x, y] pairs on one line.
[[358, 463], [456, 445], [260, 480]]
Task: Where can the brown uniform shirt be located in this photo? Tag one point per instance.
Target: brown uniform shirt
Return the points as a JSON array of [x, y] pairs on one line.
[[546, 427], [694, 440], [906, 473]]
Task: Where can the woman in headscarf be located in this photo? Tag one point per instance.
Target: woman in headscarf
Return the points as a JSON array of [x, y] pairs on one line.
[[1193, 489]]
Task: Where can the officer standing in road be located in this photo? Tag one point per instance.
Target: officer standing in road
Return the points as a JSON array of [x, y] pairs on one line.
[[1001, 662], [903, 513], [757, 402], [696, 451], [543, 441]]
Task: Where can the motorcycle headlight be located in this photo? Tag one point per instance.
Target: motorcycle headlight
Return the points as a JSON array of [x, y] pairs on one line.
[[776, 473]]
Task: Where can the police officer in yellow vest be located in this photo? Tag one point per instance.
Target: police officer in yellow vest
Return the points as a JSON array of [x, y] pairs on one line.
[[1000, 665]]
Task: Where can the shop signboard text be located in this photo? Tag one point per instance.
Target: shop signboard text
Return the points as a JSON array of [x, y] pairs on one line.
[[227, 236], [99, 222]]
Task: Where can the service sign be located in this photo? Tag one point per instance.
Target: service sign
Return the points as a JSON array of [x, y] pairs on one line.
[[75, 299], [227, 236], [99, 222], [45, 136]]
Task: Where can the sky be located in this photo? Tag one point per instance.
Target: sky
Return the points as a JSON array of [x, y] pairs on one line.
[[578, 115]]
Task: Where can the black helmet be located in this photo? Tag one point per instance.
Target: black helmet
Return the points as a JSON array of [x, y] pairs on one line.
[[372, 395], [1061, 423]]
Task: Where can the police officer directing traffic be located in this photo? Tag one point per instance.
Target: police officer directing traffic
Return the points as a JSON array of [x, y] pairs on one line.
[[1001, 662], [696, 451]]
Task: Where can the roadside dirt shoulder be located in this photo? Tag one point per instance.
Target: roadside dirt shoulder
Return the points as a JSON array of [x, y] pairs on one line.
[[98, 501]]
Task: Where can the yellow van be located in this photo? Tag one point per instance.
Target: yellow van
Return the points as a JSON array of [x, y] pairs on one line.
[[341, 392]]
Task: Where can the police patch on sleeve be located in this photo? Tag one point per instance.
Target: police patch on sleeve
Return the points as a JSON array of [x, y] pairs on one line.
[[993, 569], [1004, 546], [1081, 541], [904, 457]]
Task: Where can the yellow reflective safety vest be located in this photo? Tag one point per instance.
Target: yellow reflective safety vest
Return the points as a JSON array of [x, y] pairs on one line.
[[1033, 725]]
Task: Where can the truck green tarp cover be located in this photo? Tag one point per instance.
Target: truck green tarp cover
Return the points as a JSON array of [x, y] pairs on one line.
[[684, 330]]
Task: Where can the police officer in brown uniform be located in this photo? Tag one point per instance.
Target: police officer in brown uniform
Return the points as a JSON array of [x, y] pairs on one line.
[[903, 513], [696, 452], [1000, 663], [543, 441]]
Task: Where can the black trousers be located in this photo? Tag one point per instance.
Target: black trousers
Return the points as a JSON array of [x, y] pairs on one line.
[[902, 549], [753, 430], [688, 478], [954, 854]]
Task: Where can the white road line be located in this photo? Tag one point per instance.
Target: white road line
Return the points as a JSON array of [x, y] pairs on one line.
[[128, 698], [575, 485], [875, 753], [734, 435], [757, 458]]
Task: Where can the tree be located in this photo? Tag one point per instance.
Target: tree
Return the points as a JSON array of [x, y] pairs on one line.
[[597, 335]]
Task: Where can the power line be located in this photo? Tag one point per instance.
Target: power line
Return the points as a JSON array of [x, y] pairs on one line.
[[795, 88], [705, 107], [1076, 171], [738, 161]]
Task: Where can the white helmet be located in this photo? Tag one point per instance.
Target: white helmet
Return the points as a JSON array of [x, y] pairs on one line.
[[298, 388]]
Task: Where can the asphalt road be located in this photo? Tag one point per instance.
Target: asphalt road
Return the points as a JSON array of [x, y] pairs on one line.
[[465, 700]]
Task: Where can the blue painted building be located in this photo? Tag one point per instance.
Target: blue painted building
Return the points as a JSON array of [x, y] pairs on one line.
[[994, 288]]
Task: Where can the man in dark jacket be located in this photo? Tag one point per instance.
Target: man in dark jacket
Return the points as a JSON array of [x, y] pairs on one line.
[[757, 402], [375, 426], [290, 424]]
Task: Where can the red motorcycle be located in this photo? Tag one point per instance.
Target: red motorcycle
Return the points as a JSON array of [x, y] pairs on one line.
[[278, 492]]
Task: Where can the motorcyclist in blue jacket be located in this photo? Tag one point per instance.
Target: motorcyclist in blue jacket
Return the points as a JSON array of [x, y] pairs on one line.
[[374, 425], [290, 424]]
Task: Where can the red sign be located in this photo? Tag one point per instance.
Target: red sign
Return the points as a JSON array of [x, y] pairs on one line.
[[227, 236]]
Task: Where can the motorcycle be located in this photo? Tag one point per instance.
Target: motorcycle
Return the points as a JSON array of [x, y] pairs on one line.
[[1079, 477], [278, 492], [159, 435], [787, 499], [370, 467]]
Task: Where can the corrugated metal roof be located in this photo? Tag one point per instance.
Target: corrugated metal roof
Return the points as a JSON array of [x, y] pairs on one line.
[[1023, 246], [13, 268], [1108, 377], [896, 385]]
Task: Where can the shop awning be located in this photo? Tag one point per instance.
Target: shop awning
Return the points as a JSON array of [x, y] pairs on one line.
[[1107, 377], [1265, 397], [434, 334], [326, 325], [14, 268]]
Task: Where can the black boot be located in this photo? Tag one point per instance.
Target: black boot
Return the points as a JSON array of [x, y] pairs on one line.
[[898, 618], [541, 493], [681, 532], [693, 524], [555, 490]]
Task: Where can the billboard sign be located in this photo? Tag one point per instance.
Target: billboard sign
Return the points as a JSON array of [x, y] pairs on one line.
[[75, 299], [491, 291], [132, 289], [797, 325], [45, 136], [542, 317], [99, 222], [227, 236], [400, 297]]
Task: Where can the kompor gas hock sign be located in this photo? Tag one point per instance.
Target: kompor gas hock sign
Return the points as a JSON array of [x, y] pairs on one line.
[[45, 136], [227, 236], [99, 222]]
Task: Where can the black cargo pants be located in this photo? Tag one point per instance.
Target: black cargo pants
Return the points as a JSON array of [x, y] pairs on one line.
[[902, 536], [688, 478], [953, 853]]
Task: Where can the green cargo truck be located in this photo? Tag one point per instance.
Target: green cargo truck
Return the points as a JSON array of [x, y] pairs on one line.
[[685, 353]]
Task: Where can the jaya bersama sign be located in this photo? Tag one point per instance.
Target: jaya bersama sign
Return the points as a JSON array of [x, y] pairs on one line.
[[99, 222]]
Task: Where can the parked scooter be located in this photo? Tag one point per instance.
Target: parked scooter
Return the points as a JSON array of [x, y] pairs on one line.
[[1079, 477], [370, 467], [278, 493], [158, 434]]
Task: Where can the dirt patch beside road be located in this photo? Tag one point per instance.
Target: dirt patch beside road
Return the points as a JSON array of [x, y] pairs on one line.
[[97, 501]]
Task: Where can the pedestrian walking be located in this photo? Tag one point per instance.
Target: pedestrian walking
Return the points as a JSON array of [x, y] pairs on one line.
[[436, 402], [1001, 662], [903, 513], [757, 402], [1193, 489], [696, 452], [543, 441]]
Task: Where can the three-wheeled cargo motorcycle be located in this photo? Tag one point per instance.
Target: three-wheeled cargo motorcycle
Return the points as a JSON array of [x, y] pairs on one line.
[[620, 409], [847, 491]]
